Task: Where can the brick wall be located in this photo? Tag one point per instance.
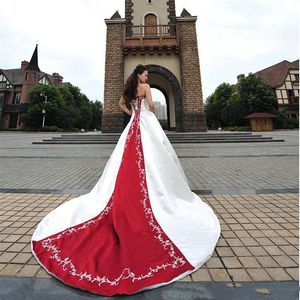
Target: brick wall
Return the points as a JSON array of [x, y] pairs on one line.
[[112, 120], [193, 116], [190, 67]]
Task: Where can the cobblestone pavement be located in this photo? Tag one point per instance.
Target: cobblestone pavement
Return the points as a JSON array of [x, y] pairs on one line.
[[210, 168], [253, 188]]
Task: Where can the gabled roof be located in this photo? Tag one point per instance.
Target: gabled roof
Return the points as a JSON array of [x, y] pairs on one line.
[[17, 76], [260, 115], [275, 75]]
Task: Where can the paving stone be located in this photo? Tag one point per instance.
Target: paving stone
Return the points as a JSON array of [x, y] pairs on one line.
[[214, 262], [284, 261], [257, 250], [249, 262], [259, 275], [201, 275], [225, 251], [289, 250], [267, 261], [278, 274], [232, 262], [293, 272], [239, 275], [7, 257], [11, 270], [21, 258], [28, 270], [241, 251], [273, 250], [16, 247], [219, 275]]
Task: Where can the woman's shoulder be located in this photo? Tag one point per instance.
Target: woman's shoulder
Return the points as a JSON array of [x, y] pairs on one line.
[[145, 86]]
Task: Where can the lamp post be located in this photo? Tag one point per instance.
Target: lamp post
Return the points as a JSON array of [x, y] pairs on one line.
[[44, 110]]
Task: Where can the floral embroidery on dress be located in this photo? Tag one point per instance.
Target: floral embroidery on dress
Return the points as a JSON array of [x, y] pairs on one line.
[[178, 261]]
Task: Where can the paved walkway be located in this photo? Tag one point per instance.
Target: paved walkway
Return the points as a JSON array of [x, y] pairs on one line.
[[253, 188]]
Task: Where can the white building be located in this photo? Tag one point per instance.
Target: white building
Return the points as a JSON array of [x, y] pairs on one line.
[[160, 110]]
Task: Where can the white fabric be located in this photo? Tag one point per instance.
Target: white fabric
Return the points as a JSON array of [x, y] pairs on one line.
[[188, 221]]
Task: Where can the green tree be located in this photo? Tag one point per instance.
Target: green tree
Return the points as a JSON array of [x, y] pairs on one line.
[[97, 110], [66, 107], [216, 103], [33, 117], [228, 106], [234, 113], [257, 95]]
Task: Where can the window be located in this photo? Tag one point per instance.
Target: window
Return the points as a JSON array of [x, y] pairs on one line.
[[296, 77], [26, 76], [44, 81], [290, 94], [3, 81], [34, 76], [1, 99], [17, 98]]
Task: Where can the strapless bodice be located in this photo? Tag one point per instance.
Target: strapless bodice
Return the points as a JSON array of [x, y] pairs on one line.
[[140, 104]]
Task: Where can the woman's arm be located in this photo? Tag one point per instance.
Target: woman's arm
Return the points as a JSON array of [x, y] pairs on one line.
[[149, 98], [124, 107]]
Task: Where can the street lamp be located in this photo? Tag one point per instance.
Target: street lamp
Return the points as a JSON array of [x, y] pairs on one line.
[[43, 110]]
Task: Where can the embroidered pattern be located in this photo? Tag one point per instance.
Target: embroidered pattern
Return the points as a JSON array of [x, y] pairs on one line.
[[66, 263]]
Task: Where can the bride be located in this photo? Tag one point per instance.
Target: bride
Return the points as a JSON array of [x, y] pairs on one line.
[[141, 226]]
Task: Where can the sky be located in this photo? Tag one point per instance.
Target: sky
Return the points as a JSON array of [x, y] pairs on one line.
[[234, 37]]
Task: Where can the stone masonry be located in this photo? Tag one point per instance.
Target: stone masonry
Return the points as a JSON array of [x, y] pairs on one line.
[[113, 117], [193, 116]]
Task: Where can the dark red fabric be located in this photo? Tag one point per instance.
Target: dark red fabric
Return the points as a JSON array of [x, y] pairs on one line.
[[119, 244]]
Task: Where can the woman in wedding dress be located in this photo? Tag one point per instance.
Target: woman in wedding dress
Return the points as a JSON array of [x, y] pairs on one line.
[[141, 226]]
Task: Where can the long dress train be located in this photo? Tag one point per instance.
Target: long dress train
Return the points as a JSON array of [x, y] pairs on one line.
[[140, 227]]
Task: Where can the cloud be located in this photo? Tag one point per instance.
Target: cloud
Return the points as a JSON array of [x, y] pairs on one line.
[[234, 37]]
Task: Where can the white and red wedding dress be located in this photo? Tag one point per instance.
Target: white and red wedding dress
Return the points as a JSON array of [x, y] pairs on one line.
[[139, 228]]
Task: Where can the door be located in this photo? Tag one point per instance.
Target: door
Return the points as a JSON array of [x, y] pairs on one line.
[[150, 25], [13, 120]]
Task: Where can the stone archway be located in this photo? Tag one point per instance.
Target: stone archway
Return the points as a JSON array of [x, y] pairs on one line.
[[163, 91], [175, 92]]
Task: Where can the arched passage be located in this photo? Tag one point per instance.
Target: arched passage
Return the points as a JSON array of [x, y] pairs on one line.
[[164, 80]]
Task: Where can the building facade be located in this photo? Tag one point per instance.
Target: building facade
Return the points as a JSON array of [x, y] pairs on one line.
[[160, 110], [15, 85], [284, 78], [151, 34]]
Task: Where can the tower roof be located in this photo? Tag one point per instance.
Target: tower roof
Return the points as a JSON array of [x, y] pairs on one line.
[[185, 13], [116, 15], [33, 64]]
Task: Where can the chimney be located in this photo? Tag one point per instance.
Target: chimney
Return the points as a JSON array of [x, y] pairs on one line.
[[239, 77], [24, 65], [57, 79]]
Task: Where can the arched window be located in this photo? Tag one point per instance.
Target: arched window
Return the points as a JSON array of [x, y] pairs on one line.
[[150, 24]]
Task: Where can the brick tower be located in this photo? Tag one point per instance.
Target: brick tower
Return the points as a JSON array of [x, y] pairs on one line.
[[152, 35]]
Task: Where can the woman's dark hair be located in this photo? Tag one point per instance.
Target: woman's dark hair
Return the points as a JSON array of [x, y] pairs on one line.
[[130, 89]]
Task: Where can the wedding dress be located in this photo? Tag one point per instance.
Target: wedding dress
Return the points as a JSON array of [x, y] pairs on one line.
[[140, 227]]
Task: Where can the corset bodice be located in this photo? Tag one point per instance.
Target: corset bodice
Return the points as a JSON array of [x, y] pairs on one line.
[[140, 104]]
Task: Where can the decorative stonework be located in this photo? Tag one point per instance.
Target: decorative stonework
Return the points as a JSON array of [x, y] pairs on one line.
[[174, 47], [171, 11], [176, 91], [128, 12]]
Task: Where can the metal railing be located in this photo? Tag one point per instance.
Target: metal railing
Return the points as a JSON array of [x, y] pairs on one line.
[[150, 31]]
